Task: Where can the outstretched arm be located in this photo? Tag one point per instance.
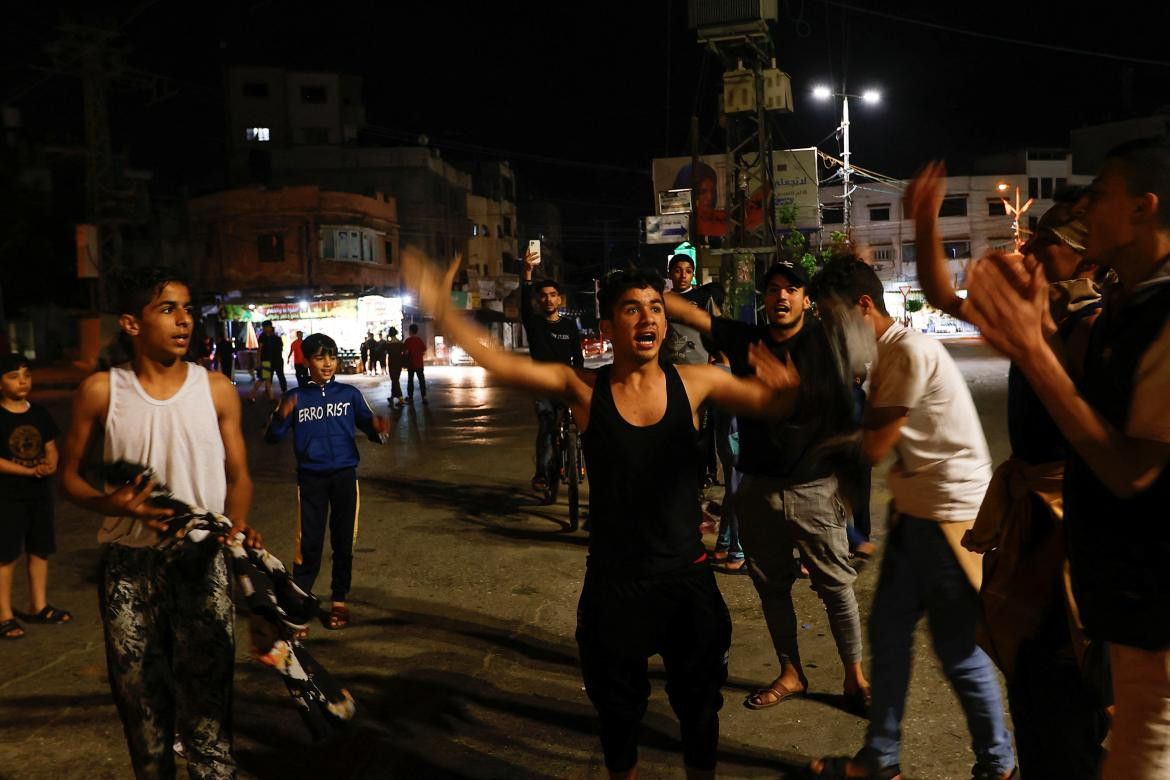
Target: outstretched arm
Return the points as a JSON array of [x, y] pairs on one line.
[[923, 199], [770, 395], [680, 309], [433, 288]]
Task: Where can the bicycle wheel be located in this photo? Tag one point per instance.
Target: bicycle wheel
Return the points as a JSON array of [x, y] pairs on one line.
[[573, 477]]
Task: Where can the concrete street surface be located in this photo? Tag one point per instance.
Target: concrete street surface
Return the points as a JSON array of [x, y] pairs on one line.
[[461, 655]]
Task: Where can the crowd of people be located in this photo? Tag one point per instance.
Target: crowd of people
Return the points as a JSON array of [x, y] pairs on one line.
[[1049, 566]]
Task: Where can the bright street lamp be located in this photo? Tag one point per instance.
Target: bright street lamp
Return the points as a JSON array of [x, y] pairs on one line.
[[869, 96]]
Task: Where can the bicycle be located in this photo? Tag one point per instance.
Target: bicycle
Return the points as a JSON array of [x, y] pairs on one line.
[[568, 465]]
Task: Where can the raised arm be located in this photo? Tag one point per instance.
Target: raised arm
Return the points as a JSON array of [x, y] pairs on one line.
[[433, 289], [680, 309], [772, 394], [923, 199]]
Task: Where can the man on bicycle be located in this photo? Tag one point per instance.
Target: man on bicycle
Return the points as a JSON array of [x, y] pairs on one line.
[[551, 339]]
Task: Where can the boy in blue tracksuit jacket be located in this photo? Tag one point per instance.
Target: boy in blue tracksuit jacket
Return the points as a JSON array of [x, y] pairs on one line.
[[324, 416]]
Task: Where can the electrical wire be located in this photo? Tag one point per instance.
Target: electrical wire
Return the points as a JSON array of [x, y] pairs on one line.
[[998, 38]]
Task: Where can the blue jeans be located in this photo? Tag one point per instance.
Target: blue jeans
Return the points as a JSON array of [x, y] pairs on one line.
[[920, 574], [728, 538], [547, 412]]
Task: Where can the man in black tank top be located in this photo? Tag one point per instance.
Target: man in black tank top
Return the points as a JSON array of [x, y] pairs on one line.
[[647, 590]]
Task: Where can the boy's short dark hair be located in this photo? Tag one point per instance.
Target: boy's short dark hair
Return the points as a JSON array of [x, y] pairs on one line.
[[680, 258], [413, 328], [13, 361], [847, 278], [553, 283], [1147, 169], [266, 324], [618, 282], [318, 343], [135, 288], [393, 331]]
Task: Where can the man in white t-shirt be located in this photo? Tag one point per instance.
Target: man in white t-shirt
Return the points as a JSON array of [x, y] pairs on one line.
[[919, 408]]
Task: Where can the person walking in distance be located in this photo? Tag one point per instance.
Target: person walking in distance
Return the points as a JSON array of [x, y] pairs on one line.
[[169, 629], [298, 358], [416, 350], [271, 362], [395, 362]]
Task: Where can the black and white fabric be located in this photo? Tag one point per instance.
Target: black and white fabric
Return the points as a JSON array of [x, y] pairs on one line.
[[277, 607]]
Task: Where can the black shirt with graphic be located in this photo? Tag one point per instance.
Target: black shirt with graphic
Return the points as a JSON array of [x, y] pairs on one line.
[[549, 342], [23, 438]]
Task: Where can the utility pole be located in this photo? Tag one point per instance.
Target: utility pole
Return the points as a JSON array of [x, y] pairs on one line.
[[846, 170]]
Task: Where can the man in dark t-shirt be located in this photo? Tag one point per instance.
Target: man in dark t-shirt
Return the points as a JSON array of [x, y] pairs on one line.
[[551, 339], [271, 362], [647, 587], [789, 498]]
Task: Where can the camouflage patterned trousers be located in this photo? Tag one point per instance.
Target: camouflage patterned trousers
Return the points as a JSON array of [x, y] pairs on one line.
[[170, 654]]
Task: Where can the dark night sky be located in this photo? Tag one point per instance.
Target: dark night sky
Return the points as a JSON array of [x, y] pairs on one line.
[[609, 83]]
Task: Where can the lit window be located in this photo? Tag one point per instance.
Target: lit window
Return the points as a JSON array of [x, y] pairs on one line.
[[957, 250], [256, 134]]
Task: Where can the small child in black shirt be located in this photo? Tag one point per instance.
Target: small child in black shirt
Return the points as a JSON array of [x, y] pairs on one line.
[[28, 455]]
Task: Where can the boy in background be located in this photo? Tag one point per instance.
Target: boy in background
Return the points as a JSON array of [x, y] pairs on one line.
[[324, 416], [28, 455]]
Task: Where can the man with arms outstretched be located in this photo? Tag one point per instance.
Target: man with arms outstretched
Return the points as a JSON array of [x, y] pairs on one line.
[[647, 588]]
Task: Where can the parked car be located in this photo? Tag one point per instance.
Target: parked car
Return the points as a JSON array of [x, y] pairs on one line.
[[457, 356], [594, 344]]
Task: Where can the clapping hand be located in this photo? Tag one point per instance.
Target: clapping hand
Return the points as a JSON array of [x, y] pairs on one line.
[[770, 370], [1008, 302]]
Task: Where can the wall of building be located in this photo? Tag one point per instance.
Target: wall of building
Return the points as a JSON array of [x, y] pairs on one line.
[[279, 241]]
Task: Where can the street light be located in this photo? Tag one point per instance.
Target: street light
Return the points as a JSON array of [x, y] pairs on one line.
[[871, 96]]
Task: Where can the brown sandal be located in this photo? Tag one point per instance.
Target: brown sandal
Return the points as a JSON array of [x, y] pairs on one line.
[[338, 618], [758, 700]]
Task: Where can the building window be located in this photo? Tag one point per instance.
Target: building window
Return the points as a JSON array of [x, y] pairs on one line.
[[256, 134], [314, 93], [474, 230], [956, 250], [483, 231], [509, 190], [833, 215], [270, 247], [995, 208], [315, 135], [388, 248], [954, 206], [255, 89], [1046, 187], [883, 253], [909, 254], [507, 226], [1033, 187], [879, 213], [1060, 185]]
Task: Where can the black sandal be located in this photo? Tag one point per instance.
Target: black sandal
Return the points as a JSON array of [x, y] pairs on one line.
[[49, 615], [10, 629]]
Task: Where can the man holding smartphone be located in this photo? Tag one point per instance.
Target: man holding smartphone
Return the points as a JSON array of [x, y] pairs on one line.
[[551, 339]]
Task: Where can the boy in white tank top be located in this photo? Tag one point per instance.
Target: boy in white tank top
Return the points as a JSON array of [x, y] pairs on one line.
[[169, 631]]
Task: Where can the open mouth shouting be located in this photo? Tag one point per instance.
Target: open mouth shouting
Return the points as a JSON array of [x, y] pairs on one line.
[[181, 340], [646, 339]]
